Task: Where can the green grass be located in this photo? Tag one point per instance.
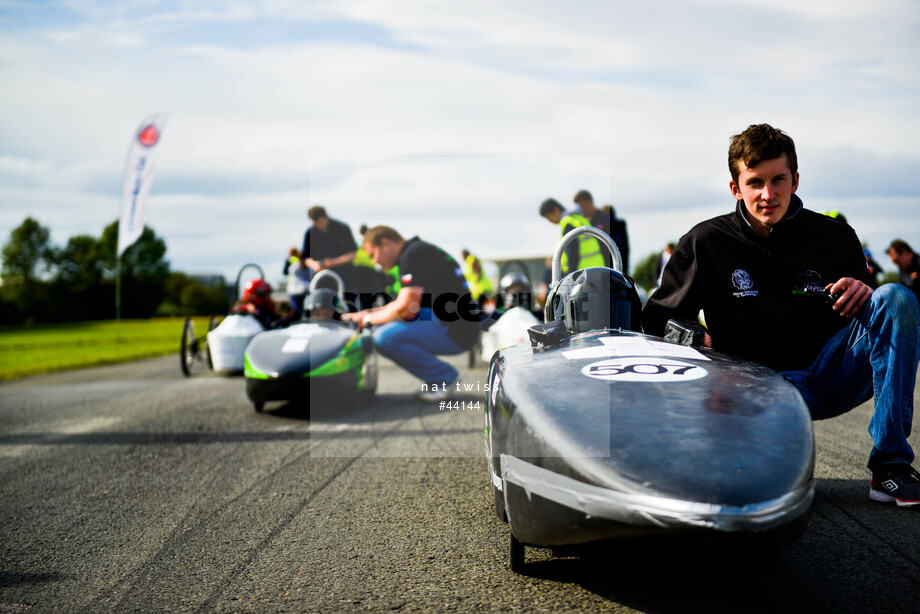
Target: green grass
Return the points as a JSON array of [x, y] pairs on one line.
[[55, 347]]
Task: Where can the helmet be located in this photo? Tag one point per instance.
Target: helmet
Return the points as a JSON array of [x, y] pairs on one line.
[[515, 290], [323, 298], [595, 298], [514, 283], [258, 292]]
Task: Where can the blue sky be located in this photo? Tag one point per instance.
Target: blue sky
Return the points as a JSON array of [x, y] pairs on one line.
[[449, 120]]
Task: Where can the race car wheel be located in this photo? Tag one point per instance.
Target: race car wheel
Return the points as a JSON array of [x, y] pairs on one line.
[[259, 406], [212, 324], [768, 557], [366, 397], [516, 554], [187, 347]]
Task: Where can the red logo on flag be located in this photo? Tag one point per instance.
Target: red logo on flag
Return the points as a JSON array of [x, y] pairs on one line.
[[149, 136]]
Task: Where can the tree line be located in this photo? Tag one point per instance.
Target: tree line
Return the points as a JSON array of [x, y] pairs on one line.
[[42, 282]]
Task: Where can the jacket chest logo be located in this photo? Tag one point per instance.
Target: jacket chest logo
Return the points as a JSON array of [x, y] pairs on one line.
[[742, 281]]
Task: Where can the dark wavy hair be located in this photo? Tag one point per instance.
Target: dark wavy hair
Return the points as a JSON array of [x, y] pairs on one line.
[[317, 212], [757, 143]]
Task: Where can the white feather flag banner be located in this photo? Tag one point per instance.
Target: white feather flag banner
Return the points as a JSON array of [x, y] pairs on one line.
[[137, 180]]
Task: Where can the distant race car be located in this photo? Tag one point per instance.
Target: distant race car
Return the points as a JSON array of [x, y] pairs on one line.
[[595, 431], [513, 314], [320, 358], [223, 345]]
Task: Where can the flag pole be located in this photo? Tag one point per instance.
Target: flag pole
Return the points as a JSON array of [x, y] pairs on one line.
[[117, 287]]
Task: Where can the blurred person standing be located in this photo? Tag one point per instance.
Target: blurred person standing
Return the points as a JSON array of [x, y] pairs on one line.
[[581, 253], [605, 219], [875, 269], [908, 264], [329, 244], [476, 278], [663, 259], [618, 234], [298, 281]]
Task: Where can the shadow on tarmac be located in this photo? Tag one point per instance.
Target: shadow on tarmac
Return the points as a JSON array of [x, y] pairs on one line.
[[383, 408], [856, 556], [13, 578]]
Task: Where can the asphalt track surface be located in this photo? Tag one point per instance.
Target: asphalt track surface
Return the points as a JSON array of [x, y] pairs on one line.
[[133, 488]]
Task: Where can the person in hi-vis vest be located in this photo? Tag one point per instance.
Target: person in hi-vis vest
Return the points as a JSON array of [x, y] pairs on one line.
[[476, 278], [579, 254]]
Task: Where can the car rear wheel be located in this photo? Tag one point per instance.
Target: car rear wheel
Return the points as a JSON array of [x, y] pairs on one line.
[[516, 554], [187, 347], [212, 324], [366, 397]]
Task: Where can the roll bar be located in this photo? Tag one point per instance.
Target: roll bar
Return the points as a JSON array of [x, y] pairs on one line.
[[338, 281], [239, 278], [570, 236]]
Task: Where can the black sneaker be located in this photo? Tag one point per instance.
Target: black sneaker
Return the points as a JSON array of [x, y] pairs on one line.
[[897, 482]]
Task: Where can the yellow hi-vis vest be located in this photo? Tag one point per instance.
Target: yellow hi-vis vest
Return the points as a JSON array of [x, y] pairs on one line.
[[479, 285], [589, 248], [362, 258]]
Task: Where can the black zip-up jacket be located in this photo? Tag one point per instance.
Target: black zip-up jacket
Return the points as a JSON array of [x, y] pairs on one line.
[[761, 296]]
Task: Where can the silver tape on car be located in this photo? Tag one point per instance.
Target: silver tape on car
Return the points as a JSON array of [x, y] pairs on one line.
[[638, 509]]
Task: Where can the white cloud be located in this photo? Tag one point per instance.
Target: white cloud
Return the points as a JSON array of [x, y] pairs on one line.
[[843, 10], [14, 169]]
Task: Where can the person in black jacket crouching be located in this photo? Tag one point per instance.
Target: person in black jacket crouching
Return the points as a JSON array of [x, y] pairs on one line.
[[788, 287]]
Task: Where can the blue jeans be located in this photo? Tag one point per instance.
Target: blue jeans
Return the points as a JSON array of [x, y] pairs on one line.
[[296, 304], [878, 351], [414, 346]]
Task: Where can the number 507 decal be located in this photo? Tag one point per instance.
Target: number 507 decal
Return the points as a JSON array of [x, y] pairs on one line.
[[644, 369]]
